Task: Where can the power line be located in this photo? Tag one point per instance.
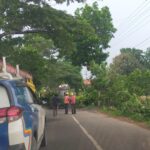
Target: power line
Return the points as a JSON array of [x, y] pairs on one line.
[[141, 43], [135, 23], [131, 33], [140, 12], [143, 21], [135, 12]]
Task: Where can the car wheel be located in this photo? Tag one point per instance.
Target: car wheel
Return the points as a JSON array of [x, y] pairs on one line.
[[33, 144], [44, 140]]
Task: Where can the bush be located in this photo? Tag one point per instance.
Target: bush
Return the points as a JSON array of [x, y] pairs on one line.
[[131, 106], [88, 96]]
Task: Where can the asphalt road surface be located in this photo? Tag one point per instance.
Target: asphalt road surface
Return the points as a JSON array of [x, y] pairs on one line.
[[93, 131]]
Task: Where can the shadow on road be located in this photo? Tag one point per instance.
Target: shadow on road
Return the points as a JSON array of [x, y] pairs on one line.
[[52, 120]]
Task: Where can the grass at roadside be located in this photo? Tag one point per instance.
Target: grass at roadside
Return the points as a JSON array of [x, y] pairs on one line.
[[113, 112], [134, 118]]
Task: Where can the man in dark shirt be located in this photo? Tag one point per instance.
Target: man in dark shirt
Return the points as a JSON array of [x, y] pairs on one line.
[[55, 102]]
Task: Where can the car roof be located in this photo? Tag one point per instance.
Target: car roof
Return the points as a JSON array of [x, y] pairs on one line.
[[13, 82]]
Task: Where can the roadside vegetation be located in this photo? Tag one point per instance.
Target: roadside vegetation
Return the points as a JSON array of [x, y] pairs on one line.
[[123, 88]]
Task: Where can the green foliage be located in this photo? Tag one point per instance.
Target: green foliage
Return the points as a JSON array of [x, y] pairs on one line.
[[69, 1], [41, 32], [130, 60], [99, 74], [88, 96], [35, 18], [139, 82], [125, 63], [75, 38], [90, 45], [147, 58], [63, 72], [46, 42], [81, 98], [131, 106], [100, 20], [120, 87], [38, 56]]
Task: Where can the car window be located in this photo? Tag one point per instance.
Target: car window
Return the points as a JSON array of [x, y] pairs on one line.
[[23, 95], [33, 96], [4, 99]]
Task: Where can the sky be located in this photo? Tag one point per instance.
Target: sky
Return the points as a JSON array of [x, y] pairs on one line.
[[130, 17]]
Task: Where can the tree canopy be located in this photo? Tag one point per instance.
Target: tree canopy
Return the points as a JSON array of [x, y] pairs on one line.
[[129, 60], [23, 17], [90, 46], [79, 39], [50, 43]]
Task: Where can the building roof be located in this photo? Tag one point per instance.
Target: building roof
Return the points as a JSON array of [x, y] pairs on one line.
[[87, 82]]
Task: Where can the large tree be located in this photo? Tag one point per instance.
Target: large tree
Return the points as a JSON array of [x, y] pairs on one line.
[[32, 33], [72, 36], [90, 47]]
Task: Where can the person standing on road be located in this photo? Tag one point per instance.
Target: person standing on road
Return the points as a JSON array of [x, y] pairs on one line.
[[55, 102], [73, 103], [66, 102]]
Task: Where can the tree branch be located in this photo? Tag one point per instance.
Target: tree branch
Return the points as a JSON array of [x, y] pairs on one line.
[[23, 32]]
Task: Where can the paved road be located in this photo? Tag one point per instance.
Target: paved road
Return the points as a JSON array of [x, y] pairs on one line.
[[94, 131]]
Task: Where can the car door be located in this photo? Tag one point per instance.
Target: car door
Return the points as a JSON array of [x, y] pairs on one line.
[[40, 112], [29, 118]]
